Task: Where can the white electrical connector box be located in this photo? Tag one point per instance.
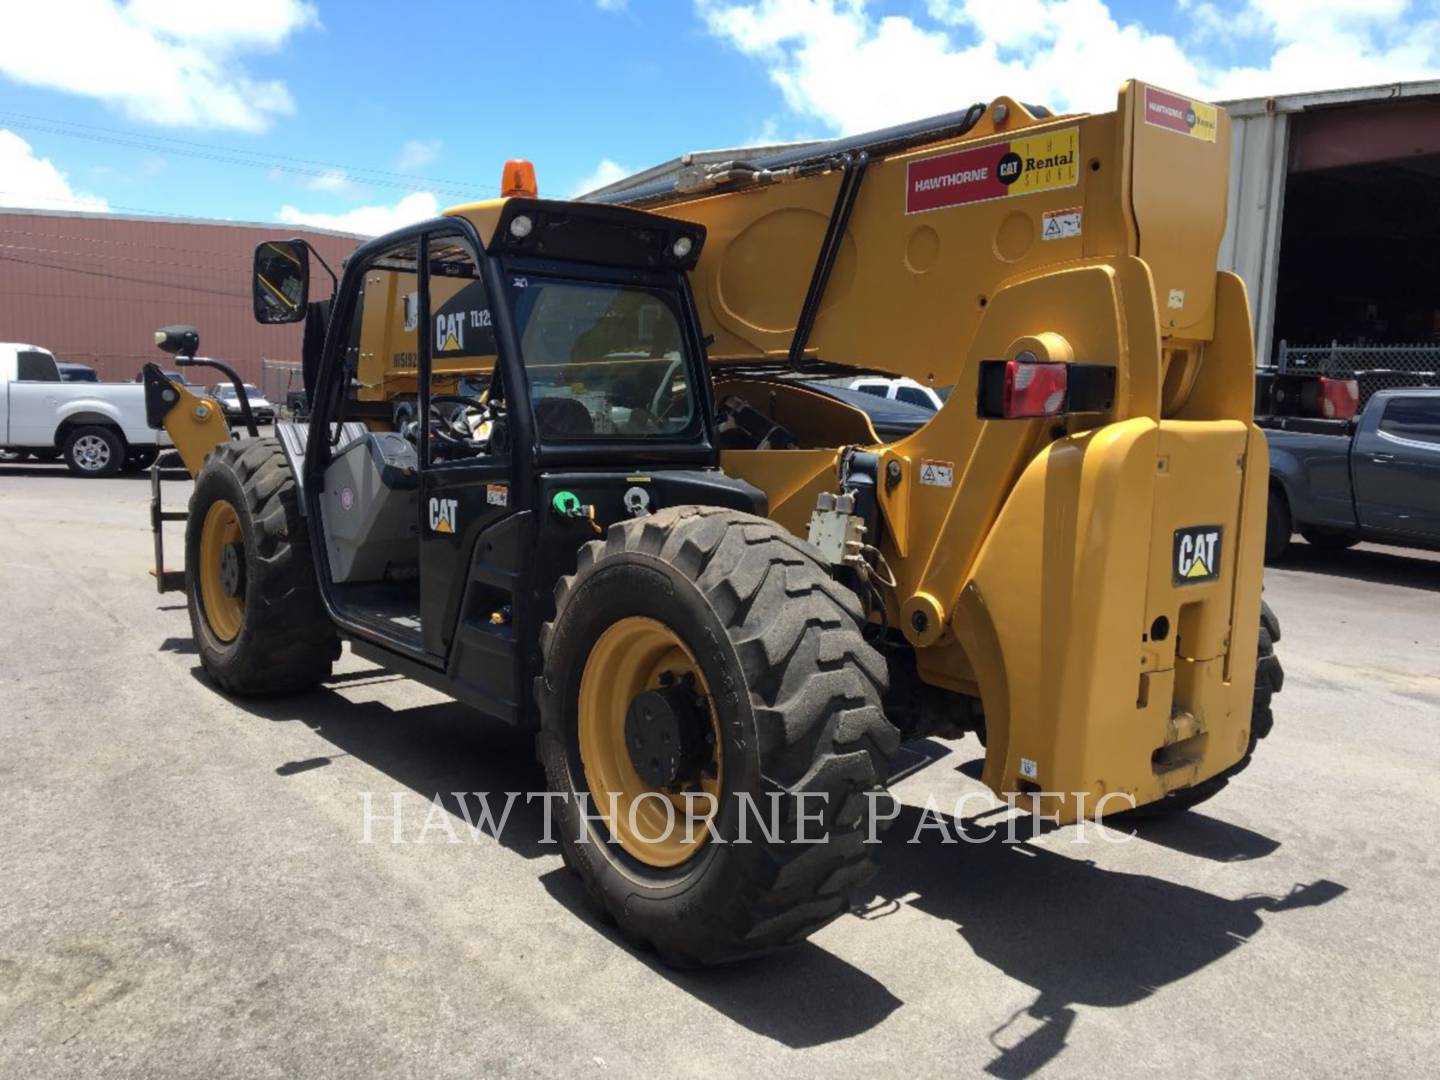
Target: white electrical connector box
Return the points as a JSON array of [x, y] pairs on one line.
[[835, 530]]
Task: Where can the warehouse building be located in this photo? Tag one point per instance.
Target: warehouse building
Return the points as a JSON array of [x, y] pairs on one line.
[[1335, 226], [92, 288]]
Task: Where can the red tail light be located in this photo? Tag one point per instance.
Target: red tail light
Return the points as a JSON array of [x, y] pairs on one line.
[[1339, 398], [1034, 389]]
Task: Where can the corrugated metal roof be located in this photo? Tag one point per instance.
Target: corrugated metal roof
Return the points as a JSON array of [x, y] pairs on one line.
[[1286, 103], [94, 287]]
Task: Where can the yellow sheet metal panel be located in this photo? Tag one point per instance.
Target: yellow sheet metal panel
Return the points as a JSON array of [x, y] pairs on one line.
[[484, 215], [1180, 164], [938, 230], [1099, 310], [1053, 616], [196, 425]]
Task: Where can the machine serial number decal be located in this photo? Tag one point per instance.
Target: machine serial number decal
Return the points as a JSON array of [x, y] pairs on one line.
[[1182, 115], [937, 473], [1020, 167]]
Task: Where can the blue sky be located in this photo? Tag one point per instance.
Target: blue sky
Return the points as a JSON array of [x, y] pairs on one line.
[[362, 114]]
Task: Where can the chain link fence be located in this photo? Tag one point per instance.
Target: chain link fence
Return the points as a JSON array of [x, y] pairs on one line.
[[1373, 367], [277, 379]]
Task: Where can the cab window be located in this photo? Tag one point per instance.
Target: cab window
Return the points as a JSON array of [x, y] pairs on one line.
[[1417, 419], [467, 401], [35, 366], [603, 361]]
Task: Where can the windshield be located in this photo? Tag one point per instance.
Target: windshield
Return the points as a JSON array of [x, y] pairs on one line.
[[228, 390], [603, 361]]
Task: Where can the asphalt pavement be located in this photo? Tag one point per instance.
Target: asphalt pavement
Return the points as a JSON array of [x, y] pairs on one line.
[[186, 886]]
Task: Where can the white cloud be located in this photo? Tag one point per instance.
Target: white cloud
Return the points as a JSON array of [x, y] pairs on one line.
[[417, 154], [35, 183], [607, 172], [334, 181], [368, 220], [838, 62], [171, 62]]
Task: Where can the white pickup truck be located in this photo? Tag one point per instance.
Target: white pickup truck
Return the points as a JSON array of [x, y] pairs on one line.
[[99, 428]]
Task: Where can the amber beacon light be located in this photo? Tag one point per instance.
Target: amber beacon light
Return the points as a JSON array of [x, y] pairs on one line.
[[518, 178]]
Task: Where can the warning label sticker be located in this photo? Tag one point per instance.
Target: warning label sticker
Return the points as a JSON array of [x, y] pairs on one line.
[[937, 473], [1019, 167], [1060, 224], [1193, 118]]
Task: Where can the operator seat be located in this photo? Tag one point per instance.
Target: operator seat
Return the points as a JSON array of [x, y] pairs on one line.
[[370, 508], [562, 417]]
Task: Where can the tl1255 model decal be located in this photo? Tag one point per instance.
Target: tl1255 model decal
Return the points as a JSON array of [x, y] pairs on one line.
[[1019, 167]]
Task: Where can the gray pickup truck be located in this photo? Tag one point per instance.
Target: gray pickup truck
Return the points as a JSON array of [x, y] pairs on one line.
[[1376, 477]]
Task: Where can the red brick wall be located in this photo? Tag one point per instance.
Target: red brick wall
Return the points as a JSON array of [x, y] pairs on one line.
[[94, 288]]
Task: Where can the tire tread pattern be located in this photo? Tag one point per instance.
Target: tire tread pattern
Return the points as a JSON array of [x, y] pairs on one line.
[[815, 687], [288, 641]]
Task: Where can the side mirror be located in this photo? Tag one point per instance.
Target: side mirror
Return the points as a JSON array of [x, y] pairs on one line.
[[281, 281]]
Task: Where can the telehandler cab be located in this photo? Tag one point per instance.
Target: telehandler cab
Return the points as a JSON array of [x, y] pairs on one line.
[[581, 466]]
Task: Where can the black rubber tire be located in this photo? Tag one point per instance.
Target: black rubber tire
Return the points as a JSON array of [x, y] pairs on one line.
[[142, 457], [1323, 540], [1278, 525], [802, 715], [1269, 678], [286, 642], [80, 438]]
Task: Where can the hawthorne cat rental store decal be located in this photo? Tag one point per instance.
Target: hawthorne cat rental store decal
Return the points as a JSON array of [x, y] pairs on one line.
[[998, 171]]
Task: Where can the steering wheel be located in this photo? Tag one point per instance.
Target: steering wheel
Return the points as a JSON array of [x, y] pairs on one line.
[[452, 431]]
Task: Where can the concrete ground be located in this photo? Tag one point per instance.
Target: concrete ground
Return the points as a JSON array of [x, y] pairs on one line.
[[185, 890]]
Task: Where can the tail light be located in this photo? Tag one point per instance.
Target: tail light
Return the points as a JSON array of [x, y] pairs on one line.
[[1023, 389], [1339, 398], [1034, 389]]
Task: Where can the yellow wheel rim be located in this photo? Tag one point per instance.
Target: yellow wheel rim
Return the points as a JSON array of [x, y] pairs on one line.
[[224, 613], [634, 655]]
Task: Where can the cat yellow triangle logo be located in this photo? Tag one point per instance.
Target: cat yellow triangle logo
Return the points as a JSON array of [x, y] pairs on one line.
[[442, 515], [1197, 554], [449, 344]]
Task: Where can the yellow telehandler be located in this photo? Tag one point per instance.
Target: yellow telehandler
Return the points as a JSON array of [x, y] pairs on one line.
[[616, 468]]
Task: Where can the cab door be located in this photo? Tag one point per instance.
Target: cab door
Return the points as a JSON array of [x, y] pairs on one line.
[[1396, 467], [471, 551]]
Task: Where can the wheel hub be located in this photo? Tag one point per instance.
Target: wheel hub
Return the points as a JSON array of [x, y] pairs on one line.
[[232, 570], [667, 733], [92, 452], [219, 571]]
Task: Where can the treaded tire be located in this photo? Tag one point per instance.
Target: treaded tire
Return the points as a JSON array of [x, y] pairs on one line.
[[797, 691], [1269, 678], [81, 463], [286, 642], [1278, 525]]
